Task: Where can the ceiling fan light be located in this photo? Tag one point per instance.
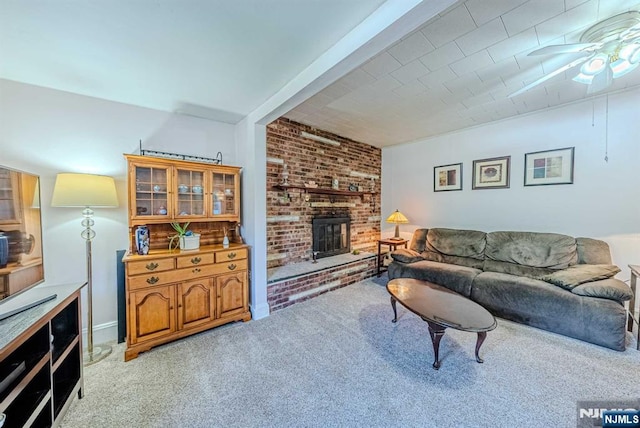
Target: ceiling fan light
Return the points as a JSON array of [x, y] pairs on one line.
[[595, 65], [583, 78], [622, 67]]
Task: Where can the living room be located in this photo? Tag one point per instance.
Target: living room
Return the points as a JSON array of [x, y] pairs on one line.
[[47, 130]]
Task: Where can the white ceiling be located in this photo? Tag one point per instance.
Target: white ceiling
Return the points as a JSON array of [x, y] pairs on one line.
[[458, 69], [222, 59], [219, 59]]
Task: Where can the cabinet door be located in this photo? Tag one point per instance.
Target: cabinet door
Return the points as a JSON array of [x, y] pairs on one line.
[[196, 303], [232, 294], [191, 193], [10, 197], [150, 191], [225, 198], [151, 313]]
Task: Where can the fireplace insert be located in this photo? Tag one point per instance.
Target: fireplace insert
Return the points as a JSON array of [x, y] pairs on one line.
[[331, 235]]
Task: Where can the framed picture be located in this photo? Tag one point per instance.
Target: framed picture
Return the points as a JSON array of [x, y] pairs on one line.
[[447, 177], [491, 173], [549, 167]]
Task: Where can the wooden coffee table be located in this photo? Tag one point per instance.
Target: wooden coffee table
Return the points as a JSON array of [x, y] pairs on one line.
[[441, 308]]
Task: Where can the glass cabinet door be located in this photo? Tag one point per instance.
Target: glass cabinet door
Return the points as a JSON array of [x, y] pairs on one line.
[[190, 190], [151, 192], [10, 198], [224, 195]]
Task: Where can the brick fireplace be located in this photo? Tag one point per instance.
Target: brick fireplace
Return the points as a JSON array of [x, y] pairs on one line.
[[291, 213]]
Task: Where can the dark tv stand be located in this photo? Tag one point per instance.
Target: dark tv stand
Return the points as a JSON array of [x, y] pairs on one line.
[[41, 358], [14, 309]]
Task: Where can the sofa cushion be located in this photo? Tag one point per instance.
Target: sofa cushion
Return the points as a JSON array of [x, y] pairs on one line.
[[593, 251], [458, 247], [575, 275], [419, 240], [406, 256], [543, 305], [454, 277], [610, 288], [540, 250], [515, 269]]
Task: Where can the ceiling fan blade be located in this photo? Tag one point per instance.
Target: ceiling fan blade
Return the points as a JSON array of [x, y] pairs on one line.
[[546, 77], [568, 48], [601, 80]]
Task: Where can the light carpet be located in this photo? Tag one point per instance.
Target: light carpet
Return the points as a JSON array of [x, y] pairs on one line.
[[338, 361]]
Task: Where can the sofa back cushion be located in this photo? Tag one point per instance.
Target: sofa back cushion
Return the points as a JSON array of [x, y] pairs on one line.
[[529, 254], [454, 246], [593, 252], [419, 240]]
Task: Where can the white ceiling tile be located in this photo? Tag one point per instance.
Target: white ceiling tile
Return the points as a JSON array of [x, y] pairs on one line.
[[411, 71], [356, 78], [438, 77], [483, 11], [505, 67], [413, 47], [478, 60], [524, 41], [482, 37], [381, 65], [336, 90], [385, 84], [410, 89], [609, 8], [573, 3], [489, 86], [530, 14], [478, 100], [319, 100], [442, 56], [449, 27], [577, 19]]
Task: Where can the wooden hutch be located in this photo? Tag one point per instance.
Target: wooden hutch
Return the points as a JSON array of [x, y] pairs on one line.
[[171, 294]]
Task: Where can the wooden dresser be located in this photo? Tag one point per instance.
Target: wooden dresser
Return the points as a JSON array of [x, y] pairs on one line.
[[171, 294]]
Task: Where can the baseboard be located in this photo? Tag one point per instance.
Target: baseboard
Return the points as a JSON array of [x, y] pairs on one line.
[[102, 333]]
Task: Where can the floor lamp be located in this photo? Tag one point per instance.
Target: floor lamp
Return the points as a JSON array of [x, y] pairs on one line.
[[87, 191]]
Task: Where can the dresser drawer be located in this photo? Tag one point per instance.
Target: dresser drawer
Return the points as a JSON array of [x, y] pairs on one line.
[[149, 266], [229, 255], [228, 267], [178, 275], [194, 260]]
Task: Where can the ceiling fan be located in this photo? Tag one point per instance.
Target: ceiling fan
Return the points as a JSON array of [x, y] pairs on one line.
[[610, 49]]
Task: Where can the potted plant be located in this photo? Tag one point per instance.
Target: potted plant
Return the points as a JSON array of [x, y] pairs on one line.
[[186, 239]]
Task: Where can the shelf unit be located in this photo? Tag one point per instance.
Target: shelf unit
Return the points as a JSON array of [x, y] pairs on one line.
[[41, 366], [323, 191]]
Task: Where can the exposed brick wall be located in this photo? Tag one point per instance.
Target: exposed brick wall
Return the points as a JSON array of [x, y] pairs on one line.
[[287, 292], [289, 219]]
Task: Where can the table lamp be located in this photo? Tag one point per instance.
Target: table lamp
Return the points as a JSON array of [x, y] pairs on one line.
[[397, 217], [88, 191]]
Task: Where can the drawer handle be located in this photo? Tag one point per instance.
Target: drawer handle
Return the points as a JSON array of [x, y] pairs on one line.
[[231, 255], [152, 266], [195, 270], [153, 280], [232, 266], [196, 260]]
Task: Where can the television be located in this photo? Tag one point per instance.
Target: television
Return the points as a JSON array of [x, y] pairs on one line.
[[21, 265]]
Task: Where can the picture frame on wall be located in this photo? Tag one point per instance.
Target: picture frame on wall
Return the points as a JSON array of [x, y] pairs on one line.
[[549, 167], [491, 173], [447, 177]]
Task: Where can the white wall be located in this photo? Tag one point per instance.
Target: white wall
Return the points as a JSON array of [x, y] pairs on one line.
[[44, 131], [603, 202]]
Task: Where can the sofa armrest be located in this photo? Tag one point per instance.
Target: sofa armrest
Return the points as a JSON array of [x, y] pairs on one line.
[[610, 288], [406, 256]]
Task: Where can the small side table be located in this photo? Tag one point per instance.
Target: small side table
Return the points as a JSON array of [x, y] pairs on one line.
[[635, 273], [393, 244]]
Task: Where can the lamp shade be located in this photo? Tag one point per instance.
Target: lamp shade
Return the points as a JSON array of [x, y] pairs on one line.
[[397, 217], [84, 190]]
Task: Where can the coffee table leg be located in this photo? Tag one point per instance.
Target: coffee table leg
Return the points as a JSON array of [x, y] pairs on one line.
[[436, 331], [395, 313], [481, 337]]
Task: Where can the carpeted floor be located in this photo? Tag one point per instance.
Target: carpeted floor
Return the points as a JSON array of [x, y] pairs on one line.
[[338, 361]]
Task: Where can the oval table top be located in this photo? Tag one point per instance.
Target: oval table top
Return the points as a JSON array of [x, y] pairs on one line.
[[440, 305]]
